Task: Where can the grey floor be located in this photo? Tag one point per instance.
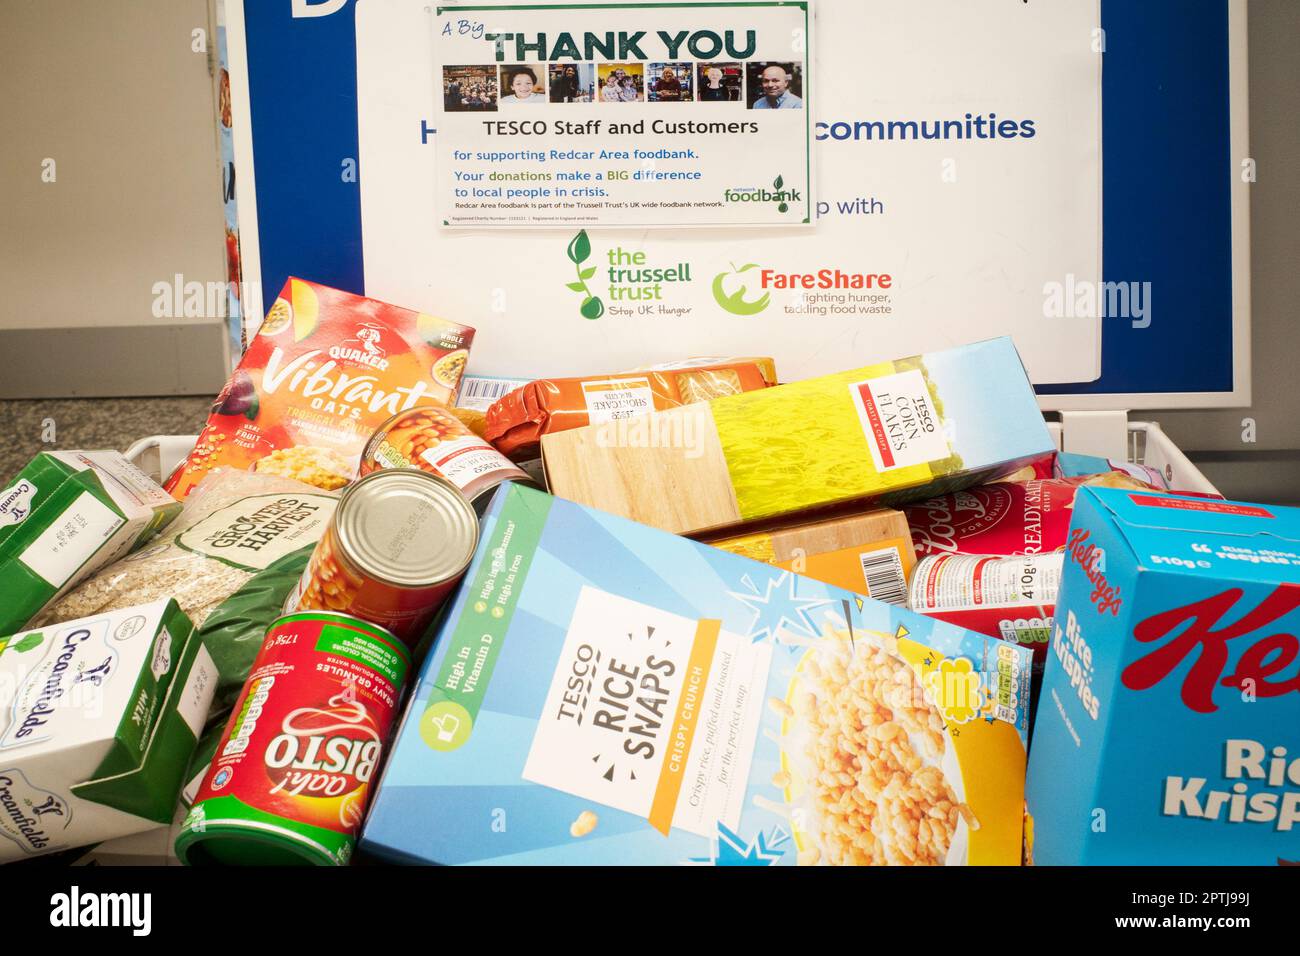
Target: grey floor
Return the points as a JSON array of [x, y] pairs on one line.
[[32, 426]]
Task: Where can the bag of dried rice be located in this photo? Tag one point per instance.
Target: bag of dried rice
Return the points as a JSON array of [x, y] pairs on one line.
[[235, 524]]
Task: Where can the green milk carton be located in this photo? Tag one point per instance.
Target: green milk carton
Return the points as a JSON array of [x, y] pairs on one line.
[[98, 720], [65, 515]]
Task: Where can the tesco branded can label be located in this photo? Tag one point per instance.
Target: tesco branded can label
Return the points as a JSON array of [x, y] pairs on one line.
[[434, 440], [303, 745], [1012, 598]]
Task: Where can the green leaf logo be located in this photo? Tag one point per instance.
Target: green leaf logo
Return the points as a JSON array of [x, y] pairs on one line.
[[780, 184], [580, 248], [579, 251], [736, 303]]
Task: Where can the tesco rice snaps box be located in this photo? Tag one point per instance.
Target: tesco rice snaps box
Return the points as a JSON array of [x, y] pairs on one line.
[[1168, 731], [98, 721], [601, 692]]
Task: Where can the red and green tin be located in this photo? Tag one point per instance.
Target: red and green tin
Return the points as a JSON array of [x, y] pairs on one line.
[[292, 775]]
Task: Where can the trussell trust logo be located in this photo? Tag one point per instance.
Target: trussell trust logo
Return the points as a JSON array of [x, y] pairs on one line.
[[635, 284]]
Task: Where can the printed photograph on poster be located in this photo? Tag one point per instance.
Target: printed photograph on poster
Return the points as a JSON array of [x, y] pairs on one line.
[[720, 82], [523, 84], [469, 89], [572, 82], [775, 86], [670, 83], [621, 82], [745, 161]]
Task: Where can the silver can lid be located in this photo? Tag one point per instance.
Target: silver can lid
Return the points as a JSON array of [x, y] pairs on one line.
[[406, 527]]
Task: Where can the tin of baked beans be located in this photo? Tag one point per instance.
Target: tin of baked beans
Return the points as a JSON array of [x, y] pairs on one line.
[[399, 542], [291, 777], [435, 440]]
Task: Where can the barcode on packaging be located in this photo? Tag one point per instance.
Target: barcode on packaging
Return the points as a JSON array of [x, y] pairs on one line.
[[479, 393], [883, 571]]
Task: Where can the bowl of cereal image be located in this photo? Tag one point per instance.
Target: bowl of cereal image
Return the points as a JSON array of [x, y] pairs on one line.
[[448, 370], [325, 468], [868, 769]]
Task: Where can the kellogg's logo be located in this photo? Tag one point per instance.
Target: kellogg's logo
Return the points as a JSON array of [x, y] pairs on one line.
[[1092, 560], [1193, 630]]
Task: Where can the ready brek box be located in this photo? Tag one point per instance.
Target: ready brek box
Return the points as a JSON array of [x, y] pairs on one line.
[[605, 693], [1169, 726], [98, 720]]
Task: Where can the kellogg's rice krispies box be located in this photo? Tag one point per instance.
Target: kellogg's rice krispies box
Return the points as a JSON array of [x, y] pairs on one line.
[[1168, 731], [605, 693], [326, 369]]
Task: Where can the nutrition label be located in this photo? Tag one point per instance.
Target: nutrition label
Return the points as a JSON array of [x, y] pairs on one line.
[[624, 114]]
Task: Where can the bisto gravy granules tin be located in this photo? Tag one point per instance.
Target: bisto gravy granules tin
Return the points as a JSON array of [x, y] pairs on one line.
[[291, 777]]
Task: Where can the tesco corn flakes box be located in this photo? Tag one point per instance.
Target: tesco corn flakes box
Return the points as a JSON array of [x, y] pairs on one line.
[[601, 692], [1168, 730]]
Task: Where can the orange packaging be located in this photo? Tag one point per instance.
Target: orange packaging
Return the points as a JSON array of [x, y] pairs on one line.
[[324, 371], [869, 553], [517, 422]]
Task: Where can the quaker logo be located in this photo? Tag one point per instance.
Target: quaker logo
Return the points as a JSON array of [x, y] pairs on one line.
[[779, 195], [30, 816], [1092, 560], [1261, 667], [967, 513], [363, 348]]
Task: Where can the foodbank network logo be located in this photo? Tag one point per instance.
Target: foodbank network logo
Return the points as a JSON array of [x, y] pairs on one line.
[[781, 196], [732, 293]]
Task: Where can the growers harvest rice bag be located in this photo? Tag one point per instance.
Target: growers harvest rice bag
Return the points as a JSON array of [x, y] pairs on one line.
[[235, 524]]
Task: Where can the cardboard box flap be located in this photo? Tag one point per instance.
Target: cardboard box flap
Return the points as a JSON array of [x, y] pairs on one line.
[[148, 785], [1201, 536]]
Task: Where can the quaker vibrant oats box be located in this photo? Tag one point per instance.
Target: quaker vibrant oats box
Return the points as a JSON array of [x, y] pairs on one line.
[[1168, 730], [605, 693]]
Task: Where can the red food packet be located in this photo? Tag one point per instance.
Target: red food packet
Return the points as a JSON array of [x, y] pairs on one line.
[[1009, 517]]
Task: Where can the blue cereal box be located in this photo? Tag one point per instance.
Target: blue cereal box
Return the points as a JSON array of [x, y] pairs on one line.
[[601, 692], [1168, 730]]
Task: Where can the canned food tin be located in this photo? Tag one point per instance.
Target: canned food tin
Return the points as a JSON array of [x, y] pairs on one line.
[[434, 440], [291, 777], [398, 543], [1012, 598]]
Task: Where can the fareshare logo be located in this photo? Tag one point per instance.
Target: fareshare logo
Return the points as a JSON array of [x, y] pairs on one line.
[[782, 196], [734, 296]]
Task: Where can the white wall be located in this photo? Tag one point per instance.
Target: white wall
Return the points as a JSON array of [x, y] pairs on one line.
[[113, 93]]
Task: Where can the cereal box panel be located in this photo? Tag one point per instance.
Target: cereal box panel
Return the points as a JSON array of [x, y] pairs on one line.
[[605, 693]]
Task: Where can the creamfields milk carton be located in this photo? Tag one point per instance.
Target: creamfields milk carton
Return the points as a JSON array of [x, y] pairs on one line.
[[98, 720]]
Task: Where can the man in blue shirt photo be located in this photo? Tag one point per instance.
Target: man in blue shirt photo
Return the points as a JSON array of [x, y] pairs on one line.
[[775, 82]]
